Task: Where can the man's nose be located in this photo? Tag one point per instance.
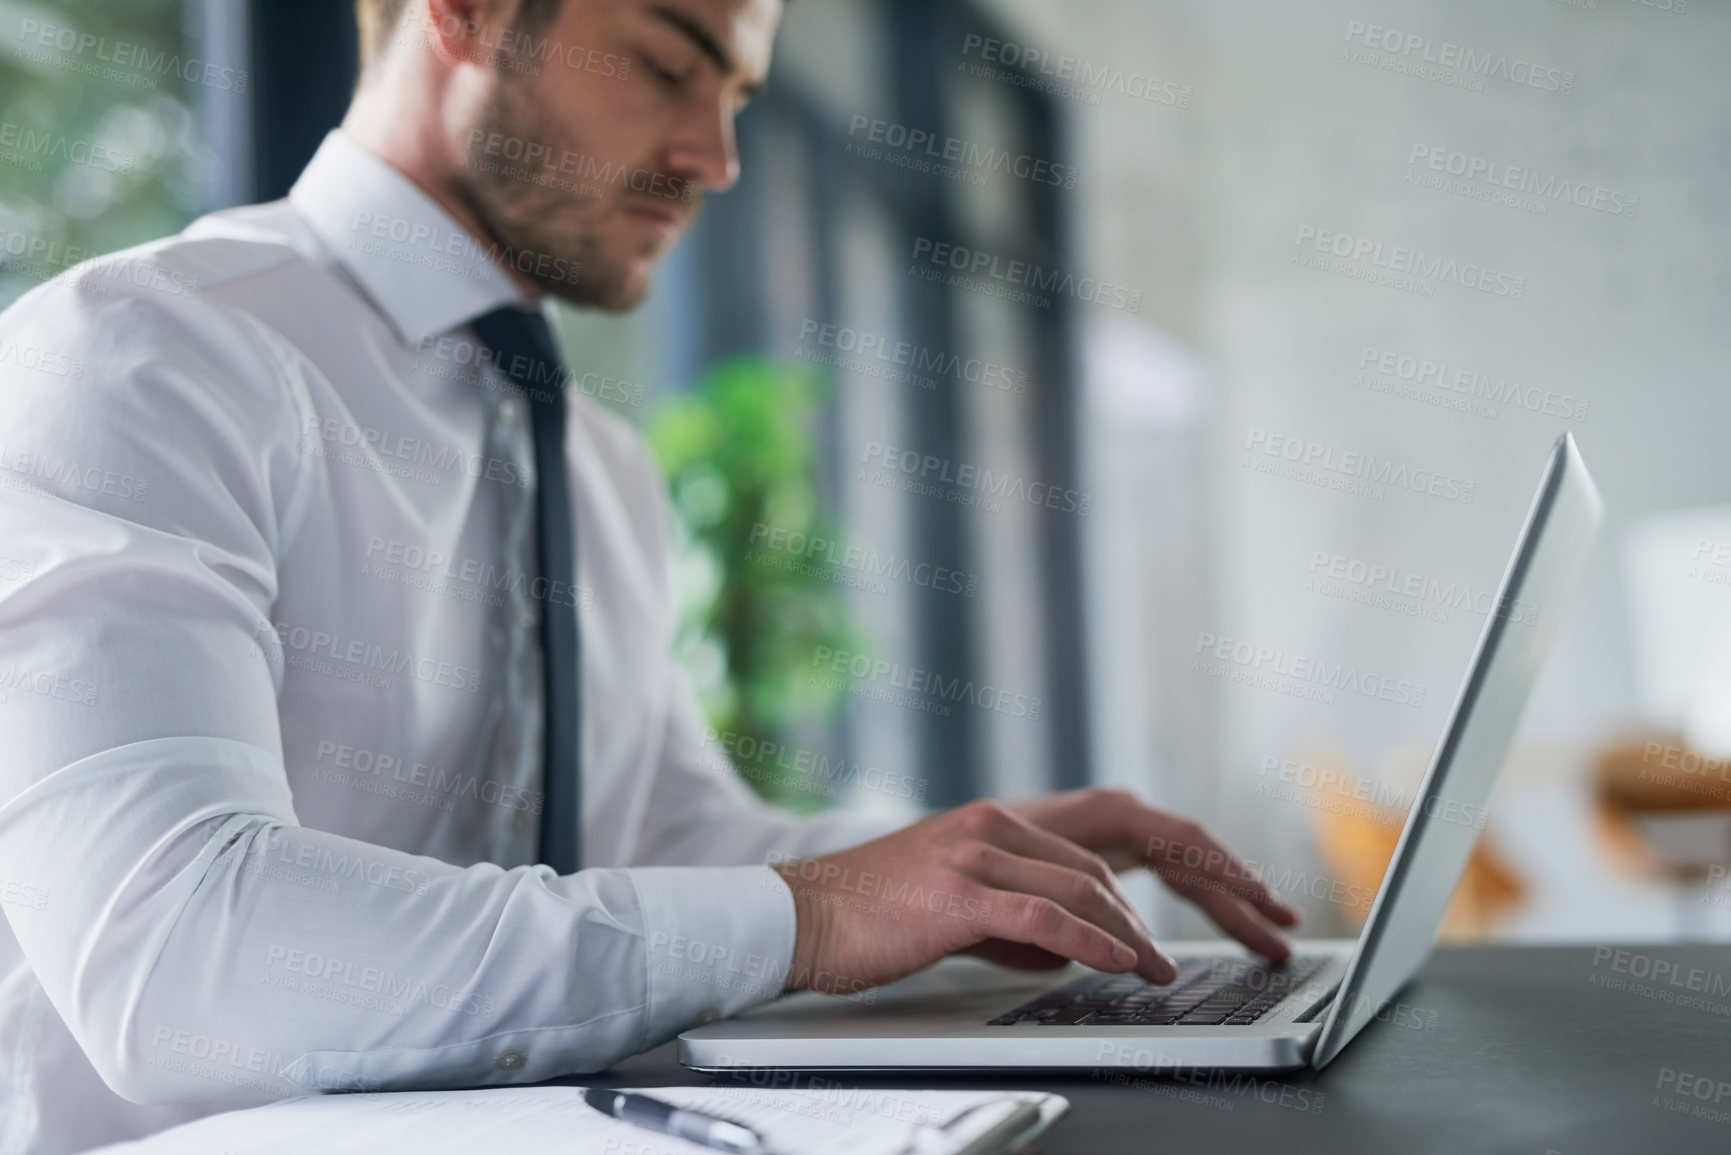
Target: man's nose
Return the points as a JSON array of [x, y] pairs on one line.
[[707, 154]]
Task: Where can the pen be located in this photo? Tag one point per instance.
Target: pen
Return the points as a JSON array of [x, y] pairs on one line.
[[642, 1111]]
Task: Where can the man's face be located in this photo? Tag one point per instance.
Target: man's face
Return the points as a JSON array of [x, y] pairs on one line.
[[604, 128]]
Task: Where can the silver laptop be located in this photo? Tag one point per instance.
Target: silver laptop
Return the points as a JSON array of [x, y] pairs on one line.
[[1225, 1010]]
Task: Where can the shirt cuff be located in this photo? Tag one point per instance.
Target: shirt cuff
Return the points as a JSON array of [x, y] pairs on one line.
[[719, 940]]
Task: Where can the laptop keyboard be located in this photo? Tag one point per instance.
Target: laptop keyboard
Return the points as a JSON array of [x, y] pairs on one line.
[[1207, 992]]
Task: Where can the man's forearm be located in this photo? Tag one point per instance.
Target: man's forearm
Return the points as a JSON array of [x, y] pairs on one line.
[[232, 955]]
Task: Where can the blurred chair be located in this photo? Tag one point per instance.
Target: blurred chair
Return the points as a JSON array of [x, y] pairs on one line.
[[1357, 841], [1663, 812], [1663, 800]]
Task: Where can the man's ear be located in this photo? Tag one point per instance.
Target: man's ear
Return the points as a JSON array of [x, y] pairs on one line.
[[464, 31]]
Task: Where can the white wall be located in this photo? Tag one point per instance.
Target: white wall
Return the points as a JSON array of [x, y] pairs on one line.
[[1200, 207]]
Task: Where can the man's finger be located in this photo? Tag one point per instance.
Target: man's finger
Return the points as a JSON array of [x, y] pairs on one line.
[[1040, 922], [1191, 857], [1242, 923], [1019, 836], [1083, 895]]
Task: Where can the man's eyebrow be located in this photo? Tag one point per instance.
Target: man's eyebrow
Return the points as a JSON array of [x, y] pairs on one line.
[[701, 36]]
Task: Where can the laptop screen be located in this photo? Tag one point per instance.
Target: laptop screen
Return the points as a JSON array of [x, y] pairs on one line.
[[1446, 817]]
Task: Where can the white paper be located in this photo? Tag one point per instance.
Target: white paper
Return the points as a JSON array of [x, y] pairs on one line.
[[556, 1121]]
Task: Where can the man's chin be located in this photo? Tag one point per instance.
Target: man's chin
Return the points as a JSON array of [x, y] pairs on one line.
[[618, 292]]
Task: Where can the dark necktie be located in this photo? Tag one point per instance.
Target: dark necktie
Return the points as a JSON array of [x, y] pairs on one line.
[[523, 349]]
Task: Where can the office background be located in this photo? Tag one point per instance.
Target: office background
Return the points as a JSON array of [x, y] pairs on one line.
[[1071, 545]]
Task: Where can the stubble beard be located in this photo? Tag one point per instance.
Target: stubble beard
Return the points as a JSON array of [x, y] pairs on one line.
[[551, 234]]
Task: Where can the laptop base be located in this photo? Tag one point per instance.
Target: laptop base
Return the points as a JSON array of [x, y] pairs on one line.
[[941, 1020]]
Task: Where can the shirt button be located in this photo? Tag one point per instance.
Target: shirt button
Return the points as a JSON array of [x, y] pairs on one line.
[[521, 821], [508, 410], [708, 1015], [528, 617], [510, 1060]]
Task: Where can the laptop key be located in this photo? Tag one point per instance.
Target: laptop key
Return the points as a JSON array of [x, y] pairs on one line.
[[1068, 1017], [1206, 992], [1203, 1018]]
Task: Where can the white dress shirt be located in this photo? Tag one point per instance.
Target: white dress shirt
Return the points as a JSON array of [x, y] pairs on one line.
[[270, 691]]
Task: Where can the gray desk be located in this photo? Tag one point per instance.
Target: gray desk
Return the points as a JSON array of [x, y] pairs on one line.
[[1494, 1050]]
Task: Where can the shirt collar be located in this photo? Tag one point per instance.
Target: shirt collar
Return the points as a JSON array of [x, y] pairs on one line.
[[425, 272]]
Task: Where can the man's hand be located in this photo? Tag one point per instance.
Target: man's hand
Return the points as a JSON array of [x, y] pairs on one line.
[[1118, 826], [1023, 884]]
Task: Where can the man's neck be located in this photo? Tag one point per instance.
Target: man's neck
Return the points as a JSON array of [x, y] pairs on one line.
[[418, 153]]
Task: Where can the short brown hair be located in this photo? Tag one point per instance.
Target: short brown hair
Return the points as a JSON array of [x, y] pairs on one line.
[[378, 19]]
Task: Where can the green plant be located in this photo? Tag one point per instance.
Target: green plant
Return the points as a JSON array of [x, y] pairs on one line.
[[98, 148], [738, 452]]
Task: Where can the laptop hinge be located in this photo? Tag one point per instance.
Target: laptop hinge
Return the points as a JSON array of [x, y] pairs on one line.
[[1312, 1012]]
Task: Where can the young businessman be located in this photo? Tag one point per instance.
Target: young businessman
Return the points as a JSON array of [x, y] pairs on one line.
[[326, 590]]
